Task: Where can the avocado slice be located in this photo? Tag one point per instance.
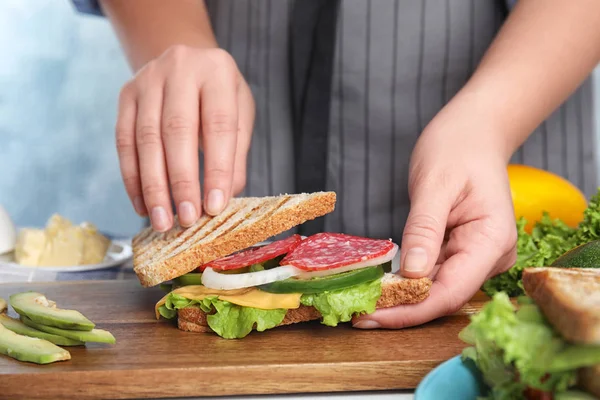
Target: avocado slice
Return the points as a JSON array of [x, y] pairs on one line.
[[2, 305], [18, 327], [24, 348], [43, 311], [95, 335]]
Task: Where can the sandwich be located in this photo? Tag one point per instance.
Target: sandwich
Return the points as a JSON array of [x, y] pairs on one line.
[[242, 270], [547, 345]]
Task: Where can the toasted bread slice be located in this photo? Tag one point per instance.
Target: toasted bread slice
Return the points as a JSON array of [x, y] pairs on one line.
[[395, 291], [569, 298], [159, 257]]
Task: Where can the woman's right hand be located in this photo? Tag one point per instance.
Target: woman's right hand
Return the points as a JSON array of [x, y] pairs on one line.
[[188, 98]]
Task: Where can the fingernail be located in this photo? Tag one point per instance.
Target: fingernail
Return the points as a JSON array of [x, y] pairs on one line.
[[415, 260], [367, 324], [139, 206], [215, 201], [159, 218], [187, 213]]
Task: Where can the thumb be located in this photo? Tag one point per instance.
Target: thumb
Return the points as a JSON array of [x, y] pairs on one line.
[[423, 233]]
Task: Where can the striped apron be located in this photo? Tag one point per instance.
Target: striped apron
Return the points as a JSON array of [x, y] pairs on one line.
[[392, 66]]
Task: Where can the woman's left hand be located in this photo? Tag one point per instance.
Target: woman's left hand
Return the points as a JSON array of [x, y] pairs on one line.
[[461, 227]]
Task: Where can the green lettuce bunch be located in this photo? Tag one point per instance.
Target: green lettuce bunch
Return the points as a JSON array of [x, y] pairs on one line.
[[549, 239], [518, 350], [231, 321]]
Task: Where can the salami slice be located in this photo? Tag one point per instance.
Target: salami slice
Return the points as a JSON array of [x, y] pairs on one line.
[[324, 251], [254, 256]]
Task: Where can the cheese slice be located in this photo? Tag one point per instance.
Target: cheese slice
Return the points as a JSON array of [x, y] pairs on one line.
[[248, 297]]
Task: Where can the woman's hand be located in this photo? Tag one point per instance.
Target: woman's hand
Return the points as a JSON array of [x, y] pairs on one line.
[[461, 227], [185, 99]]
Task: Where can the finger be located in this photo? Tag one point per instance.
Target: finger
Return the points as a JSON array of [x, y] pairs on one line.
[[443, 253], [219, 136], [151, 155], [424, 231], [180, 118], [434, 271], [245, 126], [456, 283], [126, 149], [504, 264]]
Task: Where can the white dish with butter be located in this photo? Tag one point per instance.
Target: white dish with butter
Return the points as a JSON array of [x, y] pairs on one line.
[[64, 246], [119, 252]]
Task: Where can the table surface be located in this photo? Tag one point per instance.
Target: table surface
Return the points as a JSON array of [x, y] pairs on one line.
[[125, 271], [388, 395]]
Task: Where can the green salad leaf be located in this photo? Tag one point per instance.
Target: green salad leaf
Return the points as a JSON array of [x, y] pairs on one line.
[[518, 349], [233, 322], [340, 305], [229, 320], [549, 239], [589, 228]]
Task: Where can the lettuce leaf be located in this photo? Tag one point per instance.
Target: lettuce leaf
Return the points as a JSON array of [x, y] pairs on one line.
[[229, 320], [519, 349], [549, 239], [589, 228], [340, 305]]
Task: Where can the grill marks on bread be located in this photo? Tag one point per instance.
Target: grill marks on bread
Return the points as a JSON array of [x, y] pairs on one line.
[[159, 257]]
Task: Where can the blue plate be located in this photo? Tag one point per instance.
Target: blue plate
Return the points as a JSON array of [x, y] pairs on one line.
[[453, 379]]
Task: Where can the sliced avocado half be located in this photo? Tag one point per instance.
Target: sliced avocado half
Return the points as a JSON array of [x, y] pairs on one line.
[[24, 348], [39, 309], [95, 335], [18, 327], [2, 305]]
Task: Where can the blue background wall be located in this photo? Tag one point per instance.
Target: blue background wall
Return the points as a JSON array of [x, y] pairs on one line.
[[60, 75]]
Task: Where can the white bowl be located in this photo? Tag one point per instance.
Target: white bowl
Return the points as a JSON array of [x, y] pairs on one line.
[[8, 232]]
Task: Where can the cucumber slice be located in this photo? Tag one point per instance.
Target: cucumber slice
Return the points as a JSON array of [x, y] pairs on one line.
[[575, 356], [272, 263], [326, 283], [256, 268], [193, 278], [530, 313], [166, 287]]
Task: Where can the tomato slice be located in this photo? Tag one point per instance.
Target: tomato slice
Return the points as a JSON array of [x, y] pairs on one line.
[[324, 251], [255, 255]]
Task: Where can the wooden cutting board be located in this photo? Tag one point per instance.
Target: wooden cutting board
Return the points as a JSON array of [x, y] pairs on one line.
[[153, 359]]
